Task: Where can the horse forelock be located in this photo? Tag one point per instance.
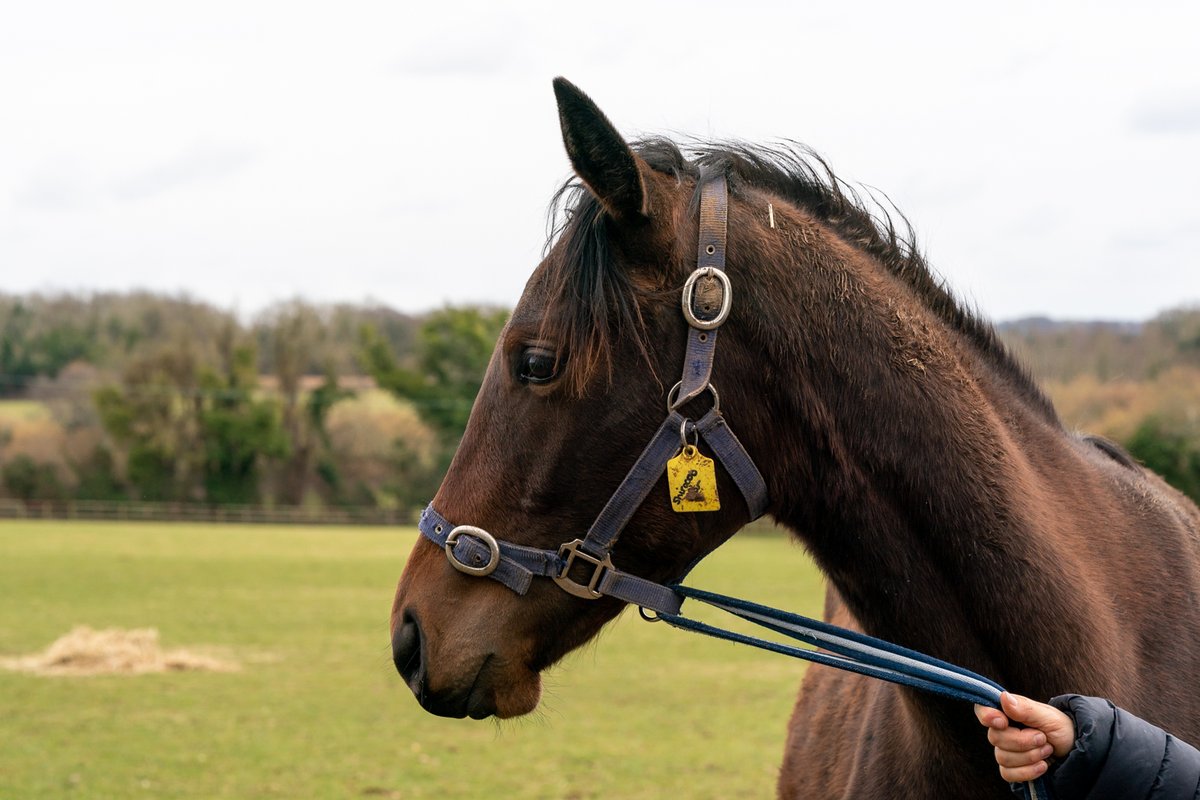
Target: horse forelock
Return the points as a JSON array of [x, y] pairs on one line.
[[591, 300], [594, 300]]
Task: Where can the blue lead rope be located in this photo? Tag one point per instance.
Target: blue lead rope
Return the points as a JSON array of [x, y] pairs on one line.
[[851, 651]]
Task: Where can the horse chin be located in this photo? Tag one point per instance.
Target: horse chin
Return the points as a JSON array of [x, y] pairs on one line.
[[514, 698], [518, 699], [509, 688]]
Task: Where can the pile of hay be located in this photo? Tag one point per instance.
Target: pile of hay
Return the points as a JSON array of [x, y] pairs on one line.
[[84, 651]]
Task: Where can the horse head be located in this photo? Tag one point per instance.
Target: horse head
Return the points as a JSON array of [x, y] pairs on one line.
[[577, 385]]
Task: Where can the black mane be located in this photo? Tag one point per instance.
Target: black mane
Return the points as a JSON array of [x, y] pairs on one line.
[[596, 298]]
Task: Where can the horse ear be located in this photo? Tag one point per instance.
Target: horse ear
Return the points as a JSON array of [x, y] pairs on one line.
[[598, 153]]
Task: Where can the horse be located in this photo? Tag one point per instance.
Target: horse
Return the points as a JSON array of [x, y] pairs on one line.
[[916, 460]]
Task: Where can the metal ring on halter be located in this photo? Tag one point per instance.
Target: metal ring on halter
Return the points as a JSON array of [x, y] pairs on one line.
[[683, 439], [675, 389], [483, 536], [649, 616], [689, 291]]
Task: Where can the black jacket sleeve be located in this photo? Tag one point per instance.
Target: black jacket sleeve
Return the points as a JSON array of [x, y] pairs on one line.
[[1118, 756]]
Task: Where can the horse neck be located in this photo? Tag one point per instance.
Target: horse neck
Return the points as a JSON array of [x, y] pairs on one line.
[[915, 471]]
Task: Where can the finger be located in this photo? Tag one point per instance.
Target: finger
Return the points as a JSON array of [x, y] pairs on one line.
[[1022, 758], [991, 717], [1026, 711], [1023, 774], [1017, 738]]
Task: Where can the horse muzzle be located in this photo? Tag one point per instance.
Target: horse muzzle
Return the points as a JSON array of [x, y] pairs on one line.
[[409, 654]]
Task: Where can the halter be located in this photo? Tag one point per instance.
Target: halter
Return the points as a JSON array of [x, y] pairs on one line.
[[474, 551], [706, 300]]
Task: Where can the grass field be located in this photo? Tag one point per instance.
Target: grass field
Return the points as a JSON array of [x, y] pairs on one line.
[[317, 710]]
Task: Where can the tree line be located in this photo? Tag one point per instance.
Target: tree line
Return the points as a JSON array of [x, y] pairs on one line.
[[153, 398], [157, 398], [1136, 383]]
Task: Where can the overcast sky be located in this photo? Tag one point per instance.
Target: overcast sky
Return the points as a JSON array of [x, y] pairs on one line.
[[245, 152]]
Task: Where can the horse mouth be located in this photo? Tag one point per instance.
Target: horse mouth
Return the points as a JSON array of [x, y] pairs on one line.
[[473, 704], [476, 701], [487, 696]]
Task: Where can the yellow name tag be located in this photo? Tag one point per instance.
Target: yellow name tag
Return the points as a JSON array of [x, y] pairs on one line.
[[692, 479]]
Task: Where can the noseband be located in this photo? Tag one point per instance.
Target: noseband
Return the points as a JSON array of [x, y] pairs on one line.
[[706, 300]]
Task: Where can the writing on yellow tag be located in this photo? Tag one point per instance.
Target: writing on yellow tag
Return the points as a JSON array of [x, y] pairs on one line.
[[692, 479]]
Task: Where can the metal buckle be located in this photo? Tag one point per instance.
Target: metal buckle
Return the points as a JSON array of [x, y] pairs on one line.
[[689, 291], [483, 536], [570, 551]]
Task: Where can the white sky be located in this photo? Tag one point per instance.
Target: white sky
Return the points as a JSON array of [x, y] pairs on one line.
[[247, 152]]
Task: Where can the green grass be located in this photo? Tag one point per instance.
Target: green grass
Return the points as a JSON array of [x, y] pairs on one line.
[[318, 711]]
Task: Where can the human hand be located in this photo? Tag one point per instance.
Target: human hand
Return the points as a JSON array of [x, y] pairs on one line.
[[1022, 752]]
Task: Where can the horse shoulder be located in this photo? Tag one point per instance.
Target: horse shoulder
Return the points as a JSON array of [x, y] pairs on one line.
[[847, 734]]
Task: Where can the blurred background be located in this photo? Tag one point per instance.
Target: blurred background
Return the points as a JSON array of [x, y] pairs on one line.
[[254, 256]]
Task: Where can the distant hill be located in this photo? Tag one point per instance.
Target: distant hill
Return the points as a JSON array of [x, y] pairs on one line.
[[1040, 326], [1057, 350]]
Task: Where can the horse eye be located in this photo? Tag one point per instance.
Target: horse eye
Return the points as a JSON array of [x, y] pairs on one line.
[[537, 365]]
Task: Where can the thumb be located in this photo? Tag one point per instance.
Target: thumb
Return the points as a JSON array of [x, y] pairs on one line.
[[1027, 712], [1058, 727]]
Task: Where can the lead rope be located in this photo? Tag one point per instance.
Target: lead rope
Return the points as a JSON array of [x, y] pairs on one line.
[[849, 651]]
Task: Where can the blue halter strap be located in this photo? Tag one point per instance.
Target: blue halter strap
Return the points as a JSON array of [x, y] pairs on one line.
[[707, 299]]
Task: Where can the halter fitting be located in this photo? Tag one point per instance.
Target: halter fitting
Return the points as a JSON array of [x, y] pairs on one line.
[[689, 298], [493, 547]]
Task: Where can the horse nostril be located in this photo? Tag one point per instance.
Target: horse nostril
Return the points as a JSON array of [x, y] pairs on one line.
[[406, 648]]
